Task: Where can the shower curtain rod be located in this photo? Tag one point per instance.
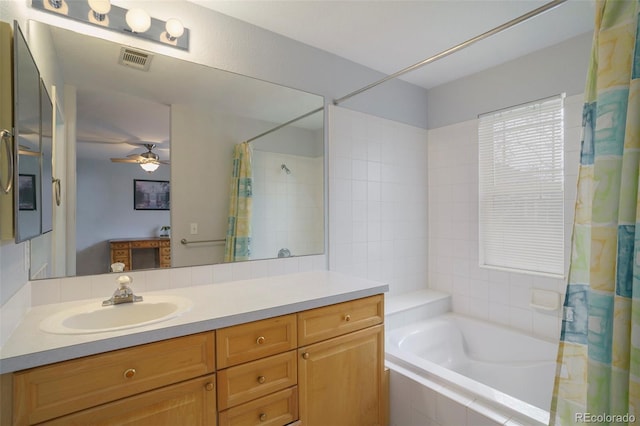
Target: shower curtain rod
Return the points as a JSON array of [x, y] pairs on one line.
[[454, 49], [285, 124]]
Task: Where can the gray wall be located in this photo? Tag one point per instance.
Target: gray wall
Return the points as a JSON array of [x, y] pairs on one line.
[[547, 72], [105, 211]]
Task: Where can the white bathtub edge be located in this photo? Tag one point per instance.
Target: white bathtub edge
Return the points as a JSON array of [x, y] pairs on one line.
[[404, 302], [481, 406]]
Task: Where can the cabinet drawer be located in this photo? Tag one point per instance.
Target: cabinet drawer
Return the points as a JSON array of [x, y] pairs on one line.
[[330, 321], [119, 245], [54, 390], [120, 253], [145, 244], [277, 409], [188, 403], [248, 342], [165, 243], [252, 380], [165, 251]]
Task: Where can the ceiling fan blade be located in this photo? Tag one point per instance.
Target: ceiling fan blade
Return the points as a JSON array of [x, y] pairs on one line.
[[164, 162], [123, 160], [136, 157]]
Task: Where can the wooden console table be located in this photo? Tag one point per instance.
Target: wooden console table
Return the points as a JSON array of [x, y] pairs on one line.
[[122, 250]]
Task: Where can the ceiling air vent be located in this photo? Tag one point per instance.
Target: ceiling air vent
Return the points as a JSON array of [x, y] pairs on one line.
[[135, 59]]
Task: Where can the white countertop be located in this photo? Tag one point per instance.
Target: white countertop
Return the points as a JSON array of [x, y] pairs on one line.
[[214, 306]]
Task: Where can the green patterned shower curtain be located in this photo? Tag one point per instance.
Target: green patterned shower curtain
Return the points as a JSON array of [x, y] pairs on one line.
[[598, 373], [238, 240]]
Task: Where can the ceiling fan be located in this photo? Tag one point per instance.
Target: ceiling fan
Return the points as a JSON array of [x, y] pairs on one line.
[[149, 160]]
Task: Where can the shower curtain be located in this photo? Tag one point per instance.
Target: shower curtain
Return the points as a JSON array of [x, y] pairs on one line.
[[598, 371], [238, 239]]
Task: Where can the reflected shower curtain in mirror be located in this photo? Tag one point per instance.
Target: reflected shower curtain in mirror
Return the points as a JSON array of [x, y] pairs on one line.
[[598, 372], [238, 240]]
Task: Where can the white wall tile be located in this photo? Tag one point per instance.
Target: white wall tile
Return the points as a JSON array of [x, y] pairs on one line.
[[453, 227], [76, 288], [450, 412], [384, 236], [44, 292]]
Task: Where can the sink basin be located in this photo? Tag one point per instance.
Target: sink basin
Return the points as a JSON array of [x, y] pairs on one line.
[[95, 318]]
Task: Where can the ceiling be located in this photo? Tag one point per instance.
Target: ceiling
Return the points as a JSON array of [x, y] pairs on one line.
[[388, 36]]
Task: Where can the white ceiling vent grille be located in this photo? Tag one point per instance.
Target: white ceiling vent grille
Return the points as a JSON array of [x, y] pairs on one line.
[[135, 59]]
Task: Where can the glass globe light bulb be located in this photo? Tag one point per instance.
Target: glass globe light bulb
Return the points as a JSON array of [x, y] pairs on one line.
[[149, 167], [101, 7], [138, 20], [174, 28]]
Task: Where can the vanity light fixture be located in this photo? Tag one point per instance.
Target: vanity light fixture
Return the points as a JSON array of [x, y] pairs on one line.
[[99, 10], [135, 22]]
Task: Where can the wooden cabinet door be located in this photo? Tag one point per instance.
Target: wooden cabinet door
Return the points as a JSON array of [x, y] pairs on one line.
[[55, 390], [340, 380], [189, 403]]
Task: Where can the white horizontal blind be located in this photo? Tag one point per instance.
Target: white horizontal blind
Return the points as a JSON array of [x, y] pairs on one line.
[[521, 187]]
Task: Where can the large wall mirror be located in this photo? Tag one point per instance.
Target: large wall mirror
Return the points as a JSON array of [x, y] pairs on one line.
[[189, 117]]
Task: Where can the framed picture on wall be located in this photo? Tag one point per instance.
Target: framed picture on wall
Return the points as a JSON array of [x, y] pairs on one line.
[[27, 192], [151, 194]]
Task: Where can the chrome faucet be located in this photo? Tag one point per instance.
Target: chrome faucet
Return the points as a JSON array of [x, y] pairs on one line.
[[123, 294]]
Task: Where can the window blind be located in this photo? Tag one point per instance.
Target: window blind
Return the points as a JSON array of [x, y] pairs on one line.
[[521, 187]]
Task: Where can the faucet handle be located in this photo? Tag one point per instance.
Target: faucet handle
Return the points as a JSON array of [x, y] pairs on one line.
[[124, 280]]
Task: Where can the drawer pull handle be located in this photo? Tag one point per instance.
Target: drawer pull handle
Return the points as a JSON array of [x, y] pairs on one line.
[[261, 379], [260, 340], [306, 355], [263, 417], [129, 373], [347, 318], [209, 386]]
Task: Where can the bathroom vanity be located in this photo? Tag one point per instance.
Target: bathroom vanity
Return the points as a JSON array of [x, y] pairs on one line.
[[314, 358]]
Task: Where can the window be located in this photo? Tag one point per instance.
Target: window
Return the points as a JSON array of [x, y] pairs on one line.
[[521, 187]]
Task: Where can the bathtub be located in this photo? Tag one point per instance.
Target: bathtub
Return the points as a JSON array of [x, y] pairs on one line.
[[506, 375]]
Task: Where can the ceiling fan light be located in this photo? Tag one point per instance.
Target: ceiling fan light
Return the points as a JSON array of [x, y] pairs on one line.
[[138, 20], [149, 167]]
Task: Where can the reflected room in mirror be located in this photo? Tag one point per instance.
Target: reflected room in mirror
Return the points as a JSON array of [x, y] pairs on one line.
[[180, 122]]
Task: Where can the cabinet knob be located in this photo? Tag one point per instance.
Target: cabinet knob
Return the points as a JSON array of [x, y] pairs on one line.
[[129, 373], [209, 386], [263, 417], [347, 318], [260, 340], [306, 355], [261, 379]]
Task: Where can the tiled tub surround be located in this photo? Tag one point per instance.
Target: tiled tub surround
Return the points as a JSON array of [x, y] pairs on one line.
[[214, 306], [494, 295], [378, 199], [409, 308], [453, 370]]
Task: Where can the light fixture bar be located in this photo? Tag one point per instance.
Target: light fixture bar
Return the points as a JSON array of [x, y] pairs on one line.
[[81, 11]]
